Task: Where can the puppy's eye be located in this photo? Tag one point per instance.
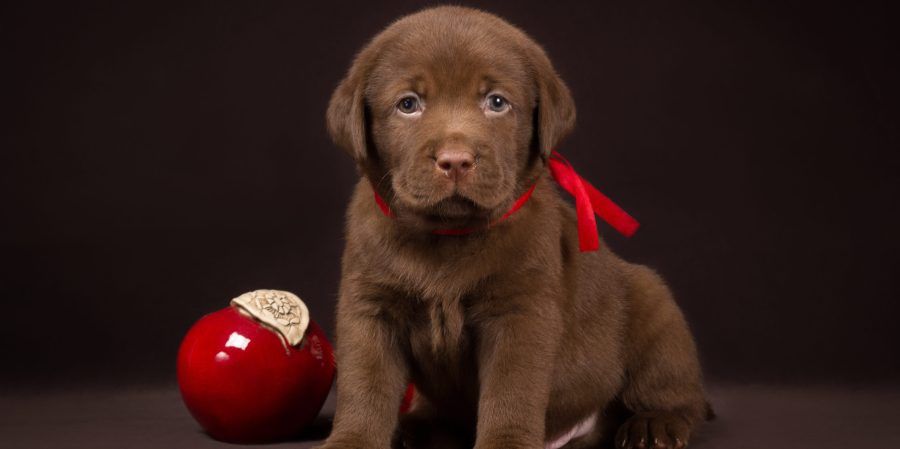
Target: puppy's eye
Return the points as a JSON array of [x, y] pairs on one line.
[[497, 103], [408, 105]]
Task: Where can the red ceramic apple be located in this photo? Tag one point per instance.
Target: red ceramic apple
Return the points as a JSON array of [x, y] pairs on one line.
[[257, 371]]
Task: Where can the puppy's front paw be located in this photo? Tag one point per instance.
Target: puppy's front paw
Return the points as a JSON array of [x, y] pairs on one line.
[[654, 430]]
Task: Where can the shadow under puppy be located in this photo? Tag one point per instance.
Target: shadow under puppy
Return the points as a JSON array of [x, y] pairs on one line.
[[513, 337]]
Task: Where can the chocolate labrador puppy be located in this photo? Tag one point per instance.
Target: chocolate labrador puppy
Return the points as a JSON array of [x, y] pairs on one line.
[[513, 337]]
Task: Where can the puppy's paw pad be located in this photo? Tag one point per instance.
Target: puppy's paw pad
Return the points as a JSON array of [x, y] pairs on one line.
[[654, 430]]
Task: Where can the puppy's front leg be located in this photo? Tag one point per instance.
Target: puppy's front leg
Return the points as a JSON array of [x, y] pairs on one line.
[[515, 358], [371, 377]]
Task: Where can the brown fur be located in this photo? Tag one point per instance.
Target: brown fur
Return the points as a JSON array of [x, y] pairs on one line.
[[510, 333]]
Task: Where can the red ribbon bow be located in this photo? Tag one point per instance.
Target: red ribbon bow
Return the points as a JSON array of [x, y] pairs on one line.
[[588, 201]]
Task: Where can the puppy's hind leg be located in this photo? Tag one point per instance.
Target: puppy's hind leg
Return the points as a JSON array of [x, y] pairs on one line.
[[663, 381]]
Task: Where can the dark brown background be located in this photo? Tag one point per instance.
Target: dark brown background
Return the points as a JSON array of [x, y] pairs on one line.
[[160, 158]]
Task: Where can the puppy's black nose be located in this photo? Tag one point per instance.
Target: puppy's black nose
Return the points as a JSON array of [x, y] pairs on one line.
[[454, 163]]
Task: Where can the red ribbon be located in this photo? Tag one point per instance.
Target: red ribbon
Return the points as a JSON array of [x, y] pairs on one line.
[[588, 201]]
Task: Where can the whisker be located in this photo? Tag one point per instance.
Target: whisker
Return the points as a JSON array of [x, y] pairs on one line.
[[383, 177]]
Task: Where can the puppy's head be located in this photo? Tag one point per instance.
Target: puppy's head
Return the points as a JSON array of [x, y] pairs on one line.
[[451, 112]]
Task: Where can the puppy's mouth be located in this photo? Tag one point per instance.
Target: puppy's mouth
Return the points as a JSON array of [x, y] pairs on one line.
[[451, 212], [448, 200], [435, 201], [457, 207]]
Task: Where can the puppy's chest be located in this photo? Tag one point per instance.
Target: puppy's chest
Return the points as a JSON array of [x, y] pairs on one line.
[[441, 338]]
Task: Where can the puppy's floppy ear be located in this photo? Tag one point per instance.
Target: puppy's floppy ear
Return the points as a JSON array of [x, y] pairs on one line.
[[555, 108], [346, 117]]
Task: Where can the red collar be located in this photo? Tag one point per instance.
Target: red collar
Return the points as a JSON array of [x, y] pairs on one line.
[[588, 201]]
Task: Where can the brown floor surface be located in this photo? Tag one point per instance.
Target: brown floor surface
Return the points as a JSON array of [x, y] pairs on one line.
[[749, 417]]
